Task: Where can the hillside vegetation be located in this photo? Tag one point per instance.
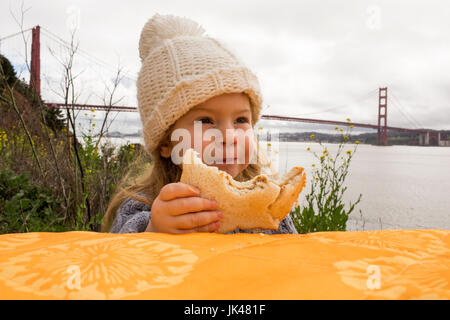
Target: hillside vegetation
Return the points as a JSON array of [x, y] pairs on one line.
[[49, 181]]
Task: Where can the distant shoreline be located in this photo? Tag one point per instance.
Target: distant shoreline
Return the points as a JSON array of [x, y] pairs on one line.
[[394, 138]]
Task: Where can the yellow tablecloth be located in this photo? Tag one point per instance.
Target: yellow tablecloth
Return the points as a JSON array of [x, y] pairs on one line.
[[389, 264]]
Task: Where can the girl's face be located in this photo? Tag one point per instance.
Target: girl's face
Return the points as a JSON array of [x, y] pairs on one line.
[[227, 112]]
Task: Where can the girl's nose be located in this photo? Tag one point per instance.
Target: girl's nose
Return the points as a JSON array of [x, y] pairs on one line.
[[230, 136]]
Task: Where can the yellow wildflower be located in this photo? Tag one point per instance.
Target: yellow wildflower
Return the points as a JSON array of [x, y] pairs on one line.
[[348, 119], [357, 142], [312, 136]]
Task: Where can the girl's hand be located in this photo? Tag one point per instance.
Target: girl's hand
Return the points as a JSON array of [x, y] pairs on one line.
[[179, 209]]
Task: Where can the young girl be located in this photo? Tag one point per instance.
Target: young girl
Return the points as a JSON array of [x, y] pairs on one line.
[[187, 77]]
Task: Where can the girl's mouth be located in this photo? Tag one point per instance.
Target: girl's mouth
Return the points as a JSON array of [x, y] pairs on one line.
[[223, 161], [229, 161]]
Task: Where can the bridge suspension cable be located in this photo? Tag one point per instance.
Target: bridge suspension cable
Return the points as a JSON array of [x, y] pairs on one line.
[[15, 34], [412, 121], [360, 98], [84, 53]]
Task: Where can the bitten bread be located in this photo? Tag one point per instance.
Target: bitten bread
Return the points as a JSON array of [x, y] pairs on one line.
[[257, 203]]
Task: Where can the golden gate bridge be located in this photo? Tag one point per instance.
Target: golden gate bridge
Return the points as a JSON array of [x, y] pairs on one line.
[[426, 136]]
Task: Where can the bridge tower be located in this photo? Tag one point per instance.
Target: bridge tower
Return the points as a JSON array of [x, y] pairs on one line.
[[35, 68], [382, 117]]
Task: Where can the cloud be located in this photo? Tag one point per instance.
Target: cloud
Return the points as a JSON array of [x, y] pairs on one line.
[[322, 58]]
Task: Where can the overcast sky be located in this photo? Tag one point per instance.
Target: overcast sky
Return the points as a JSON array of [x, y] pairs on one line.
[[316, 59]]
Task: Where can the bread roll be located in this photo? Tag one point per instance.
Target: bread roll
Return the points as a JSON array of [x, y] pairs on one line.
[[257, 203]]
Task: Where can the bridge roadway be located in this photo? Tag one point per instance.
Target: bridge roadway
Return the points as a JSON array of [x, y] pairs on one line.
[[341, 123], [266, 117]]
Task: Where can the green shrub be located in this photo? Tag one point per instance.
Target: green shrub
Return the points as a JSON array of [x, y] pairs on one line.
[[49, 180], [6, 71], [325, 209], [26, 207]]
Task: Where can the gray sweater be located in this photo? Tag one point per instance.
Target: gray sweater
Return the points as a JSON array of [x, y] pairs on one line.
[[133, 216]]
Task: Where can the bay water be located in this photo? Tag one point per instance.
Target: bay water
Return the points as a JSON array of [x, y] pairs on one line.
[[402, 187]]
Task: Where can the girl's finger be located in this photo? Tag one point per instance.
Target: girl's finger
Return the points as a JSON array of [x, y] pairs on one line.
[[208, 228], [196, 220], [177, 190], [189, 205]]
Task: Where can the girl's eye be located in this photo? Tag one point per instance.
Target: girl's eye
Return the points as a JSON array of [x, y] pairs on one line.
[[242, 120], [205, 120]]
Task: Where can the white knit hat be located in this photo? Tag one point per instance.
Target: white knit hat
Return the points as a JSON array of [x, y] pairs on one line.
[[181, 68]]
